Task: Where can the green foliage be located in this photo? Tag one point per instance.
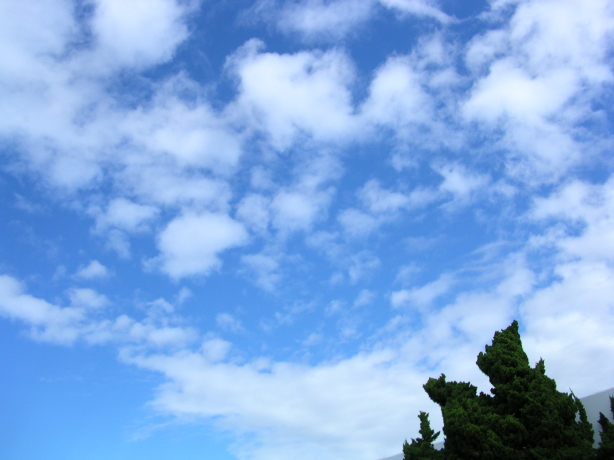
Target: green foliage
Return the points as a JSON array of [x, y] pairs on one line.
[[606, 445], [525, 417], [422, 447]]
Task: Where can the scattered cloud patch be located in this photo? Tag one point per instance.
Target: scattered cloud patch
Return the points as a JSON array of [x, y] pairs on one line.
[[93, 270], [336, 152], [87, 298], [289, 95], [190, 243], [228, 323]]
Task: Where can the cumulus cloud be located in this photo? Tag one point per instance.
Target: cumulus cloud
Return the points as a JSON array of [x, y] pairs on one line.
[[381, 206], [320, 20], [138, 32], [185, 130], [81, 320], [190, 244], [569, 320], [396, 96], [87, 298], [125, 215], [357, 223], [461, 183], [94, 270], [539, 74], [48, 322], [287, 95], [584, 204], [520, 93], [293, 210]]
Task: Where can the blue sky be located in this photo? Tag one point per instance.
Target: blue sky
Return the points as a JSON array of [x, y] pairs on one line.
[[253, 230]]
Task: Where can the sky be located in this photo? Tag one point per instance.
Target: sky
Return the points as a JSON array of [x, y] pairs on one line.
[[252, 230]]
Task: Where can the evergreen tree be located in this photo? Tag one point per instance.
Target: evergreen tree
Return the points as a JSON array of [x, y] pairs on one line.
[[471, 425], [525, 417], [606, 445], [422, 448], [526, 396]]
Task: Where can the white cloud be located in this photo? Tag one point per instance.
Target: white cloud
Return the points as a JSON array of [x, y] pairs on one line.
[[422, 297], [73, 129], [288, 95], [54, 92], [191, 243], [153, 181], [426, 8], [365, 297], [265, 267], [128, 332], [159, 307], [569, 322], [461, 183], [87, 298], [327, 410], [396, 97], [362, 265], [406, 273], [183, 295], [227, 322], [188, 131], [373, 385], [332, 20], [313, 339], [379, 200], [28, 32], [215, 349], [254, 210], [382, 201], [126, 215], [587, 205], [48, 322], [357, 223], [82, 321], [510, 90], [534, 81], [320, 20], [94, 270], [118, 242], [543, 69], [121, 217], [139, 32], [382, 206], [570, 325], [293, 210]]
